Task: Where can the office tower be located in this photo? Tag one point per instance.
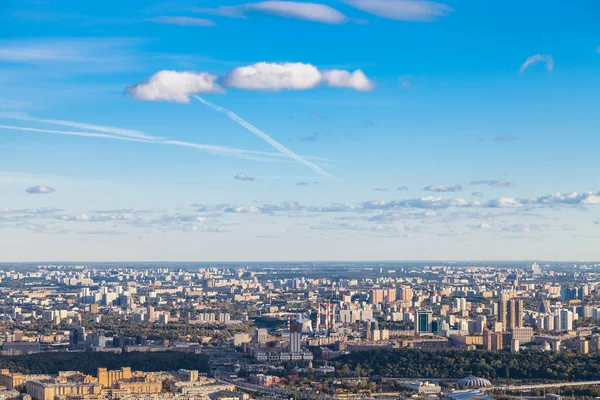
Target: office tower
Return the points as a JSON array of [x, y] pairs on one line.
[[423, 320], [77, 337], [566, 320]]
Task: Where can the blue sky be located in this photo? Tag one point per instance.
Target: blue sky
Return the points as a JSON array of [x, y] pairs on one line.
[[380, 130]]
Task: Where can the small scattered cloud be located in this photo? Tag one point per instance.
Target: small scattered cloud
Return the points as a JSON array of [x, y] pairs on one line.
[[314, 115], [443, 188], [312, 138], [103, 233], [183, 21], [369, 123], [174, 86], [506, 138], [505, 202], [287, 9], [493, 182], [403, 10], [302, 184], [244, 177], [483, 226], [380, 190], [404, 82], [402, 188], [40, 190], [535, 59], [477, 194]]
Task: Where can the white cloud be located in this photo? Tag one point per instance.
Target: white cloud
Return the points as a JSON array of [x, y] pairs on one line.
[[403, 10], [288, 9], [183, 21], [356, 80], [505, 202], [175, 86], [293, 76], [243, 210], [40, 190], [274, 76], [537, 58]]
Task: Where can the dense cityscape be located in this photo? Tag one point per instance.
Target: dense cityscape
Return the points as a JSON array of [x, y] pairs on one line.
[[303, 330], [299, 200]]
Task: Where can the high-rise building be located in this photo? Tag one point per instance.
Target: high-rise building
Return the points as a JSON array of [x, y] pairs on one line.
[[406, 294], [376, 296], [77, 337], [423, 320], [566, 320], [390, 295], [480, 323], [295, 342]]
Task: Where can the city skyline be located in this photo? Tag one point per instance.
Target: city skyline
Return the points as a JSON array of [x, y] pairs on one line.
[[398, 129]]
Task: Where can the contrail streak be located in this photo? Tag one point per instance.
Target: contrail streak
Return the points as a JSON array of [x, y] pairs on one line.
[[274, 143]]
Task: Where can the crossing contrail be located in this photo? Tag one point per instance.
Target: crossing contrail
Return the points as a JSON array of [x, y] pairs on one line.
[[274, 143]]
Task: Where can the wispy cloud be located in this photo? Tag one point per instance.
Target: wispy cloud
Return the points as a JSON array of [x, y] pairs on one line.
[[311, 138], [506, 138], [288, 9], [114, 133], [183, 21], [442, 188], [535, 59], [72, 124], [40, 190], [83, 55], [493, 182], [275, 144], [380, 190], [244, 177], [402, 189], [403, 10]]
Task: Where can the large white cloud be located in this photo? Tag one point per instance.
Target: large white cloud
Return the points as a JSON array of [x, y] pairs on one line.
[[175, 86], [293, 76], [274, 76]]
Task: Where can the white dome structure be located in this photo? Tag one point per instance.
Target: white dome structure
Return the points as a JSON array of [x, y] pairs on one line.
[[474, 382]]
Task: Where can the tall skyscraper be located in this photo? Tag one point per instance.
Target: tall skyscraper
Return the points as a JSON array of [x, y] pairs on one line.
[[423, 320]]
